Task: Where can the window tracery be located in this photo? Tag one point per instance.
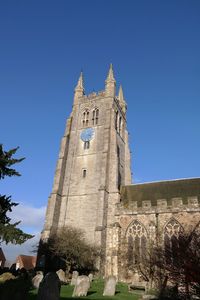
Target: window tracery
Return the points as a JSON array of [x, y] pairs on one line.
[[137, 242], [172, 231]]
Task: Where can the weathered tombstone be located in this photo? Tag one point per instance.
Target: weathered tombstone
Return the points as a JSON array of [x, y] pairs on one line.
[[90, 277], [74, 277], [61, 275], [82, 286], [37, 279], [49, 287], [110, 285]]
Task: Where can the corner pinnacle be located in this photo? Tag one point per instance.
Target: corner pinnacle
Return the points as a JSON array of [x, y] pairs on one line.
[[110, 77]]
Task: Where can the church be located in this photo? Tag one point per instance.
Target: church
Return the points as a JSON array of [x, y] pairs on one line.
[[92, 187]]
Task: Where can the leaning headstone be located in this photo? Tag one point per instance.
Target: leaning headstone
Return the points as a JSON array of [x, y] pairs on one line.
[[61, 275], [90, 277], [74, 277], [82, 286], [37, 279], [49, 287], [110, 285]]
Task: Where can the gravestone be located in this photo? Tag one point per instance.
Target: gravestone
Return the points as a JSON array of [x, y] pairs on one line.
[[49, 287], [82, 286], [61, 275], [110, 285], [90, 277], [74, 277], [37, 279]]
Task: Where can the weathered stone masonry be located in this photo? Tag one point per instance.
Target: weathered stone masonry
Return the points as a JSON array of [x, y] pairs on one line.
[[92, 187]]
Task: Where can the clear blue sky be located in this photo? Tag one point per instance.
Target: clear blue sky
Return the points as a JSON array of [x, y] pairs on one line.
[[155, 49]]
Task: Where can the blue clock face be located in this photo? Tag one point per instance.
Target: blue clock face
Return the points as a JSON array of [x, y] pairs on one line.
[[87, 134]]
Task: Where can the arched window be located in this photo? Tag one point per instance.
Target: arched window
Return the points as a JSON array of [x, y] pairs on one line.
[[137, 242], [172, 231], [85, 118], [95, 116]]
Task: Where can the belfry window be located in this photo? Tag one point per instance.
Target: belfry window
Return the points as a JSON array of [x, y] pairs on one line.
[[85, 118], [95, 116], [86, 145]]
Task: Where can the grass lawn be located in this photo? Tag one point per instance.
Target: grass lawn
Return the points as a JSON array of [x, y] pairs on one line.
[[95, 292]]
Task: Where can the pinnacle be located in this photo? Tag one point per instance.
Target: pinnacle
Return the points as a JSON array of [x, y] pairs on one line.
[[122, 101], [110, 76], [80, 84], [121, 94]]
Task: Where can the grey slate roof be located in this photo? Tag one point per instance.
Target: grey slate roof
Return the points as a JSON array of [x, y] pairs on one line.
[[153, 191]]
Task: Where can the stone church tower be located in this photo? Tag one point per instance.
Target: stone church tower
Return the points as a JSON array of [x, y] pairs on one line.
[[92, 187], [94, 161]]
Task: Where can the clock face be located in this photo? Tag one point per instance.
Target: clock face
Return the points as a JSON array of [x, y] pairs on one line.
[[87, 134]]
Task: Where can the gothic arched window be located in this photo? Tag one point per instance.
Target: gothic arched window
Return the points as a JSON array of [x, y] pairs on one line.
[[172, 232], [95, 116], [137, 242], [85, 118]]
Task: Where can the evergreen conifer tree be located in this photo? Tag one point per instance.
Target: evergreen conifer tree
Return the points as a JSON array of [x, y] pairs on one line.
[[9, 231]]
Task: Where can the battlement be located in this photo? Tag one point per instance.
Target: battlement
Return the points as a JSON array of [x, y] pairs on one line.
[[93, 95], [164, 195], [173, 204]]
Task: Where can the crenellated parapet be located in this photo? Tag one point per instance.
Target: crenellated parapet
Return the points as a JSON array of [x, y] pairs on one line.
[[91, 96], [175, 204], [157, 197]]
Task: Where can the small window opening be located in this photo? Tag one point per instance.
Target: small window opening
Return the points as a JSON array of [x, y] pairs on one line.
[[84, 173]]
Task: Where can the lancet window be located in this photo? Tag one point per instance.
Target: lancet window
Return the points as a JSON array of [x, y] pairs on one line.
[[95, 116], [137, 242], [85, 118]]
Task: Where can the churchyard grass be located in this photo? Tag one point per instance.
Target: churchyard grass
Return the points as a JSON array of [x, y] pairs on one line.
[[95, 292]]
